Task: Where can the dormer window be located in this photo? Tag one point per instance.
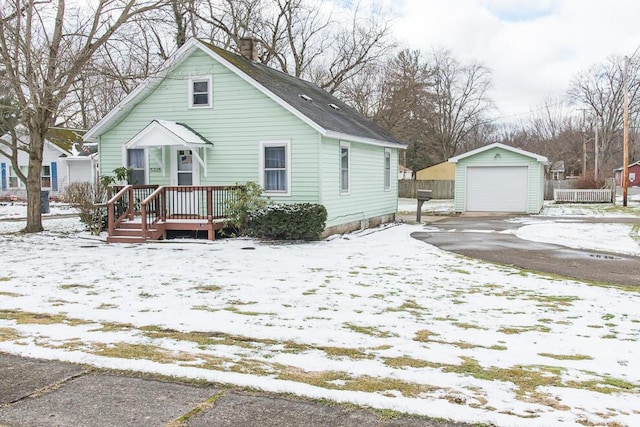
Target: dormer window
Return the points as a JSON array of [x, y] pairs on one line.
[[200, 92]]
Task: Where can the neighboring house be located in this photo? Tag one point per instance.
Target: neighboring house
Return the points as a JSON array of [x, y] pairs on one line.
[[557, 171], [499, 178], [214, 118], [634, 175], [404, 172], [65, 159], [444, 171]]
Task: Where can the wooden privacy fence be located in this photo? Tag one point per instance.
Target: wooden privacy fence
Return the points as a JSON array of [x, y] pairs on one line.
[[408, 188], [583, 196]]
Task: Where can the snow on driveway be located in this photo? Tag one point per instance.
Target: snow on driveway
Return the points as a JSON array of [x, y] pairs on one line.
[[374, 318]]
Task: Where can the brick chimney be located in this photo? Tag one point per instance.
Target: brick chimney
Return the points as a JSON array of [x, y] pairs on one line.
[[249, 48]]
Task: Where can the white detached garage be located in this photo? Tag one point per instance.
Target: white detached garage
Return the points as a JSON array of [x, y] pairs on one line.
[[499, 178]]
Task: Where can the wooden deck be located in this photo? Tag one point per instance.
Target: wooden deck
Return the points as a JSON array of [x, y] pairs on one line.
[[137, 214]]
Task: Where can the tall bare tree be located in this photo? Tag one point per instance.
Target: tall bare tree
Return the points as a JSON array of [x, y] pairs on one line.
[[461, 103], [302, 38], [600, 91], [44, 47], [553, 131], [9, 119]]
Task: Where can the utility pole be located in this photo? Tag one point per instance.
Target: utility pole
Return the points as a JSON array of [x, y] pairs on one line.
[[625, 151], [584, 146], [595, 163]]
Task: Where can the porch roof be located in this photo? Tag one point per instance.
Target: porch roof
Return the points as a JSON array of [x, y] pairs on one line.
[[160, 133]]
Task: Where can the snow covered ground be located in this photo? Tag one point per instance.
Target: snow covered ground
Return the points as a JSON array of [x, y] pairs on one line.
[[374, 318]]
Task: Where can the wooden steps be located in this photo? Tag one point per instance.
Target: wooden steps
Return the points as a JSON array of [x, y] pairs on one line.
[[128, 232]]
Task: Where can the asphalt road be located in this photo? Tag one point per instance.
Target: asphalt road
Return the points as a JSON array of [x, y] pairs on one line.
[[481, 238]]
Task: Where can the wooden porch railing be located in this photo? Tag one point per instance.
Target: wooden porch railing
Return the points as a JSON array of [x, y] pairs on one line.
[[171, 208], [119, 208]]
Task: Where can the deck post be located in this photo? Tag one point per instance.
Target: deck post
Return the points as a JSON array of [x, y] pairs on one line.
[[212, 232], [130, 208]]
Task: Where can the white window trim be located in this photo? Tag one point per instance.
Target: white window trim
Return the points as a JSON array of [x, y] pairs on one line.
[[386, 174], [209, 81], [125, 161], [42, 176], [348, 147], [287, 149], [11, 174]]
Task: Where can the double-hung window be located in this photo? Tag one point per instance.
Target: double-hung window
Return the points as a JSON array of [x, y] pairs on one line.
[[135, 163], [344, 167], [275, 164], [46, 176], [387, 169], [200, 92], [14, 181]]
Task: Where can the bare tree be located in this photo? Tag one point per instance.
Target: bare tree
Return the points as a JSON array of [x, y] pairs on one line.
[[9, 119], [44, 47], [552, 131], [301, 37], [460, 101], [600, 91]]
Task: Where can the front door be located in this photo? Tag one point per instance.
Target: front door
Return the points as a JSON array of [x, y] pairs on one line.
[[185, 173], [184, 167]]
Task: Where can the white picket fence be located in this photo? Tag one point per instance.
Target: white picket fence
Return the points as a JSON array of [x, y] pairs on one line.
[[582, 196]]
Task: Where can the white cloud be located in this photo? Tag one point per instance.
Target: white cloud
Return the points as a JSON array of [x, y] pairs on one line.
[[534, 49]]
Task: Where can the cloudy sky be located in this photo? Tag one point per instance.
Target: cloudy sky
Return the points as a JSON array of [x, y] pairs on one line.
[[533, 47]]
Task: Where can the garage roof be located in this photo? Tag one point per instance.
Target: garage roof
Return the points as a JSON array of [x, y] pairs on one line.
[[539, 158]]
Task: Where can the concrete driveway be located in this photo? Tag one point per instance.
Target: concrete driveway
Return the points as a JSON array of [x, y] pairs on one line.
[[480, 237]]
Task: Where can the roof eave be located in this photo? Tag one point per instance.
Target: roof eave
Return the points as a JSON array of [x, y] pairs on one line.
[[363, 140]]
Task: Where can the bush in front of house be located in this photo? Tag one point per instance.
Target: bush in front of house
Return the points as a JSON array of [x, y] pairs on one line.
[[88, 199], [297, 221], [241, 203]]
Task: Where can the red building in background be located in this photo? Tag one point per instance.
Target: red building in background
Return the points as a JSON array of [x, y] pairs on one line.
[[634, 175]]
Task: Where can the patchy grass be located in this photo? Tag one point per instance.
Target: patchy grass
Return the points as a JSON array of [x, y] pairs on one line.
[[236, 310], [368, 330], [463, 325], [23, 317], [106, 306], [9, 334], [341, 352], [566, 356], [343, 381], [207, 288], [424, 335], [522, 329], [10, 294], [141, 351], [76, 286]]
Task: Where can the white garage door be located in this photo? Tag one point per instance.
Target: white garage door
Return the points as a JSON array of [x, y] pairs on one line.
[[497, 189]]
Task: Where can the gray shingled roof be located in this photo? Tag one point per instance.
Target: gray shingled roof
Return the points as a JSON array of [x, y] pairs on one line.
[[318, 109]]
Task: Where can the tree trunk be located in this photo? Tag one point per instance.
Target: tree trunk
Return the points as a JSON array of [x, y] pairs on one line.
[[34, 182]]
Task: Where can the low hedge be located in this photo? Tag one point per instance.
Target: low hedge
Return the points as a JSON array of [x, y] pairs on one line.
[[296, 221]]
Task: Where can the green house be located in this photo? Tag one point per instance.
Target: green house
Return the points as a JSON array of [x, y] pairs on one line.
[[499, 178], [212, 118]]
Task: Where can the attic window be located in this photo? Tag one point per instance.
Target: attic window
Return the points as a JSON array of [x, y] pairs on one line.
[[306, 97], [335, 107], [200, 92]]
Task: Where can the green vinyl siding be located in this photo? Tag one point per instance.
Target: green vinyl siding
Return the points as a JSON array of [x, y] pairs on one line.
[[497, 157], [241, 118], [367, 197]]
